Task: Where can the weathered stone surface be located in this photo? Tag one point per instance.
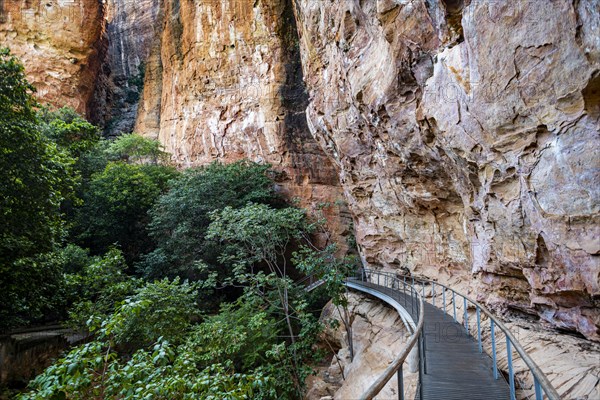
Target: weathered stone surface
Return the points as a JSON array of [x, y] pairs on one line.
[[230, 85], [466, 139], [378, 336], [58, 42], [132, 31]]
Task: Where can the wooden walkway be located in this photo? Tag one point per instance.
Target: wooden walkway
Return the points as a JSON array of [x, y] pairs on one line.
[[454, 368]]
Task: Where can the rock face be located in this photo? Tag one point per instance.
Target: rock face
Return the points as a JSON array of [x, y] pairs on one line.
[[226, 83], [59, 43], [378, 336], [132, 28], [466, 136]]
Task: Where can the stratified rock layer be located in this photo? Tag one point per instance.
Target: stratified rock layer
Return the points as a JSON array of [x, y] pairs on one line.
[[466, 139], [226, 83], [59, 44]]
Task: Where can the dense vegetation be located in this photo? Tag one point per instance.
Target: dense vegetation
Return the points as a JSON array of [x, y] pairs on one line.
[[182, 278]]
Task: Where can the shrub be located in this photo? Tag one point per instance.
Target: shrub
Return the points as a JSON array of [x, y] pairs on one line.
[[181, 216]]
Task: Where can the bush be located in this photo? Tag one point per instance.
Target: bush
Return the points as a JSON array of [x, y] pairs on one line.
[[181, 216], [98, 288], [241, 334], [160, 309], [163, 373], [116, 204]]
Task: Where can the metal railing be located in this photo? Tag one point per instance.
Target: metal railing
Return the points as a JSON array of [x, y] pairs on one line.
[[417, 308], [310, 282], [542, 385]]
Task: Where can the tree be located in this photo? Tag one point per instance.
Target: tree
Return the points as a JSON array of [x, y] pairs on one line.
[[68, 130], [133, 148], [333, 271], [95, 285], [180, 217], [35, 178], [116, 204], [36, 175], [258, 234]]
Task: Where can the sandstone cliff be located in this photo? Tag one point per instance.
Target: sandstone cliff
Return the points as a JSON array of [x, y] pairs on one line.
[[132, 29], [59, 43], [225, 83], [465, 134], [466, 139]]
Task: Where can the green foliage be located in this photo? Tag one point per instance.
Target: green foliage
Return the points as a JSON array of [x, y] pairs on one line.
[[134, 148], [325, 265], [116, 204], [257, 233], [68, 130], [97, 287], [163, 373], [181, 216], [241, 334], [31, 289], [36, 177], [160, 309]]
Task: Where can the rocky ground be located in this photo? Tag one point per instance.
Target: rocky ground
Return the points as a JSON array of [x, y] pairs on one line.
[[378, 336], [571, 363]]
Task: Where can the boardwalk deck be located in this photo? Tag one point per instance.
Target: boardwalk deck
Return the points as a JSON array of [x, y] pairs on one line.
[[454, 367]]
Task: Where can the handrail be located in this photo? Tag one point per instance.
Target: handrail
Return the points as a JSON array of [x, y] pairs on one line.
[[396, 365], [541, 381]]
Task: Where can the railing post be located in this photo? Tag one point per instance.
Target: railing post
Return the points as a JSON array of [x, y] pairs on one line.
[[433, 292], [454, 303], [511, 377], [423, 290], [420, 370], [444, 298], [538, 389], [378, 275], [424, 351], [466, 315], [400, 383], [479, 330], [493, 348], [421, 355]]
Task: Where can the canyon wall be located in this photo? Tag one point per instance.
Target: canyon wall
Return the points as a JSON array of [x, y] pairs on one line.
[[466, 136], [132, 30], [226, 83], [59, 42]]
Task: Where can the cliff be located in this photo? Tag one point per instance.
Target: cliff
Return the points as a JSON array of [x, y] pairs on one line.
[[466, 139], [463, 135], [225, 83], [131, 30], [60, 45]]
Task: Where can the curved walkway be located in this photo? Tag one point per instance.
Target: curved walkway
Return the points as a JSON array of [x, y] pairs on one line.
[[453, 366]]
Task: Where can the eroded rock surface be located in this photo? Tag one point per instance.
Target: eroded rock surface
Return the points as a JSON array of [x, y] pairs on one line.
[[466, 136], [59, 42], [378, 336], [132, 32], [226, 83]]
